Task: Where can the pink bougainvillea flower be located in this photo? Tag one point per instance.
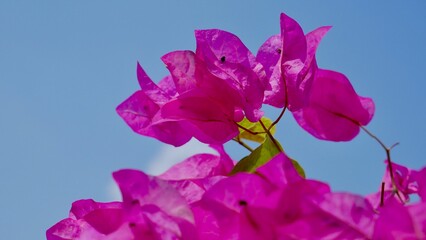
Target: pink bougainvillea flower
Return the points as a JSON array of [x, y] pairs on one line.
[[227, 58], [290, 65], [334, 111], [243, 205], [196, 101], [256, 206], [141, 111], [201, 100], [151, 209], [407, 182]]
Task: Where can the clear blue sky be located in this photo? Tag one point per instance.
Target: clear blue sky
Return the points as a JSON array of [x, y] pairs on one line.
[[65, 65]]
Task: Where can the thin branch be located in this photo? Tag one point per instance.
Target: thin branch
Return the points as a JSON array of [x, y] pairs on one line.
[[278, 119], [243, 144], [270, 136], [388, 150], [248, 130], [382, 195]]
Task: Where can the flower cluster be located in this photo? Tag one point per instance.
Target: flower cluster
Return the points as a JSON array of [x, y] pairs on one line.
[[197, 199], [209, 91], [215, 95]]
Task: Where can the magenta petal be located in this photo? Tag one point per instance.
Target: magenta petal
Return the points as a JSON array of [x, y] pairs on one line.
[[269, 53], [395, 222], [269, 56], [235, 208], [149, 88], [334, 111], [279, 171], [417, 212], [63, 230], [294, 42], [141, 113], [150, 222], [241, 190], [91, 220], [197, 173], [421, 180], [209, 121], [182, 67], [229, 59], [192, 77], [139, 188], [294, 52], [168, 86], [312, 41], [213, 44], [104, 217], [305, 76], [405, 181], [200, 166], [325, 125], [353, 213], [138, 111], [290, 65]]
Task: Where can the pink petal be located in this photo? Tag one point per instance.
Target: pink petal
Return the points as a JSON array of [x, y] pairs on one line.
[[104, 217], [149, 87], [193, 77], [138, 188], [405, 180], [395, 222], [353, 213], [421, 180], [312, 41], [141, 113], [192, 177], [279, 171], [417, 212], [182, 67], [294, 42], [168, 86], [200, 166], [334, 111], [229, 59], [230, 208], [63, 230], [209, 121], [269, 55]]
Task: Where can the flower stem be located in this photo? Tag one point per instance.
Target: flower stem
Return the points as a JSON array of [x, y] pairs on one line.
[[278, 119], [382, 195], [270, 136], [389, 161], [243, 144], [248, 130]]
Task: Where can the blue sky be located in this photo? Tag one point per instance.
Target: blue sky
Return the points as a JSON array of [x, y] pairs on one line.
[[66, 65]]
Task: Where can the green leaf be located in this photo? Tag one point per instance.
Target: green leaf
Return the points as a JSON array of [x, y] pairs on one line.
[[299, 168], [255, 127], [261, 155]]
